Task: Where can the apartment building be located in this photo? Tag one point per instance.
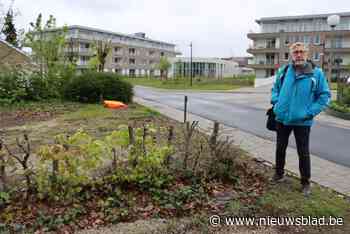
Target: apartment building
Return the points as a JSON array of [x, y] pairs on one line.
[[270, 45], [131, 55]]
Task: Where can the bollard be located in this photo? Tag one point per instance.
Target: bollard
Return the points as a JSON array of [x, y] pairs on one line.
[[185, 109]]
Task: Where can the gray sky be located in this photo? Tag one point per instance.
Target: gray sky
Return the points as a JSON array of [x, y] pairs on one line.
[[216, 28]]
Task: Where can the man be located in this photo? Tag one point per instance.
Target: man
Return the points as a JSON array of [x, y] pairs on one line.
[[302, 95]]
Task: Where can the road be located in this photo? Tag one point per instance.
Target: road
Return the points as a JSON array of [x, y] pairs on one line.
[[245, 111]]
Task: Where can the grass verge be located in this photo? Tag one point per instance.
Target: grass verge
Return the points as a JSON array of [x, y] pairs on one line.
[[198, 83]]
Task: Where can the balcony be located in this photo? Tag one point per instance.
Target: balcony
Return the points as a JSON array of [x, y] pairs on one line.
[[338, 50], [262, 64], [262, 35], [263, 49]]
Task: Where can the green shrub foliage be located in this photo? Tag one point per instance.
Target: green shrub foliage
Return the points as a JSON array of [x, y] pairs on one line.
[[89, 86]]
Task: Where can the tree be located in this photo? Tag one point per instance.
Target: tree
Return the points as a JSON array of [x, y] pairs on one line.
[[48, 45], [164, 66], [9, 29], [102, 50]]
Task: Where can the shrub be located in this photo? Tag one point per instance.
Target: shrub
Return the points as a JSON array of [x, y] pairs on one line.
[[20, 84], [339, 107], [346, 95], [88, 87], [13, 86]]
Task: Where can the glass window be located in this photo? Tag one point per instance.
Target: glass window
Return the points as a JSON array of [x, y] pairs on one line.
[[316, 56], [286, 56], [317, 39], [338, 42], [287, 41], [131, 50], [306, 39]]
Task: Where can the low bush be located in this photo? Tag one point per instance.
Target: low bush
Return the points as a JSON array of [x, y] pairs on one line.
[[13, 86], [21, 84], [89, 86], [339, 107], [346, 95]]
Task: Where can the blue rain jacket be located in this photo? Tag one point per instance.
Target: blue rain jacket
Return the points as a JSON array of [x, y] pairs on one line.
[[301, 96]]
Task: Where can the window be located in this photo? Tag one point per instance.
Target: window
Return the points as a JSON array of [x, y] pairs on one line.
[[161, 53], [288, 40], [151, 52], [338, 42], [317, 39], [286, 56], [118, 71], [132, 61], [84, 58], [306, 39], [117, 60], [316, 56], [132, 51], [117, 49], [132, 72], [84, 45]]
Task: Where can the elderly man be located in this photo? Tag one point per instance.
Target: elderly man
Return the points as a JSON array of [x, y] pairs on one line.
[[297, 98]]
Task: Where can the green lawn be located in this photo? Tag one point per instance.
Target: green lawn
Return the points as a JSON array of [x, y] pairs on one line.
[[198, 83]]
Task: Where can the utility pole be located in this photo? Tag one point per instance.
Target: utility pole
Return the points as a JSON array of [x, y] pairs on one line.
[[191, 64]]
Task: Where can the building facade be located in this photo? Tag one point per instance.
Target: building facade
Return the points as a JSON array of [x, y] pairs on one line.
[[10, 55], [270, 45], [242, 61], [202, 67], [130, 55]]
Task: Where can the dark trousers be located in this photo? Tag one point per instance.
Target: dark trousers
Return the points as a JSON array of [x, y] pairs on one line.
[[302, 136]]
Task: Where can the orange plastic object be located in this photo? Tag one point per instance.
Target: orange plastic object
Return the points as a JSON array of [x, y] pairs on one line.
[[114, 104]]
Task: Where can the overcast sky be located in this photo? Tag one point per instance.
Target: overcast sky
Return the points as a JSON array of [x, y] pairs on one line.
[[217, 28]]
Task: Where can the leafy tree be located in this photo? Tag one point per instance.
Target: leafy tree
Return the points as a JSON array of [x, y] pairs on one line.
[[164, 66], [102, 50], [48, 51], [9, 29]]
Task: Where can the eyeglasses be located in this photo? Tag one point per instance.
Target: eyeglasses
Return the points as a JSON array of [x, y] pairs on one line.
[[295, 52]]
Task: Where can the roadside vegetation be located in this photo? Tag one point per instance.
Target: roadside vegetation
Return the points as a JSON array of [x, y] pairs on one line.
[[199, 83], [85, 166], [342, 105]]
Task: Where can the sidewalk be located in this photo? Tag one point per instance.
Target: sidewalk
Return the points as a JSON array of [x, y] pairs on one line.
[[323, 172]]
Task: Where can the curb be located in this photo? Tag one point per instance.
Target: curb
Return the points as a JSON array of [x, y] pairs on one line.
[[338, 114]]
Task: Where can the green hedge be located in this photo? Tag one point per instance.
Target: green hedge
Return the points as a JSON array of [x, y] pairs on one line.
[[88, 87], [21, 85], [339, 107]]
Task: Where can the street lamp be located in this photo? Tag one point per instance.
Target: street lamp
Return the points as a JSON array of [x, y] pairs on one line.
[[191, 64], [332, 21]]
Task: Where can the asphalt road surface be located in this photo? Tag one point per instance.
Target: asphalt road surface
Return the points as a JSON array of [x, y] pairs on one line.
[[326, 141]]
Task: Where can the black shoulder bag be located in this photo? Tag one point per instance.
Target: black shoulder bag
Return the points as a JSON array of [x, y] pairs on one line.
[[271, 117]]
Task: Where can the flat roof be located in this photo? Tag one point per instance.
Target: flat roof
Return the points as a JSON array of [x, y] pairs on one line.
[[116, 34], [298, 17], [201, 60]]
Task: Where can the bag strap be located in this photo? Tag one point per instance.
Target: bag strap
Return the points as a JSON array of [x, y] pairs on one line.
[[284, 72]]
